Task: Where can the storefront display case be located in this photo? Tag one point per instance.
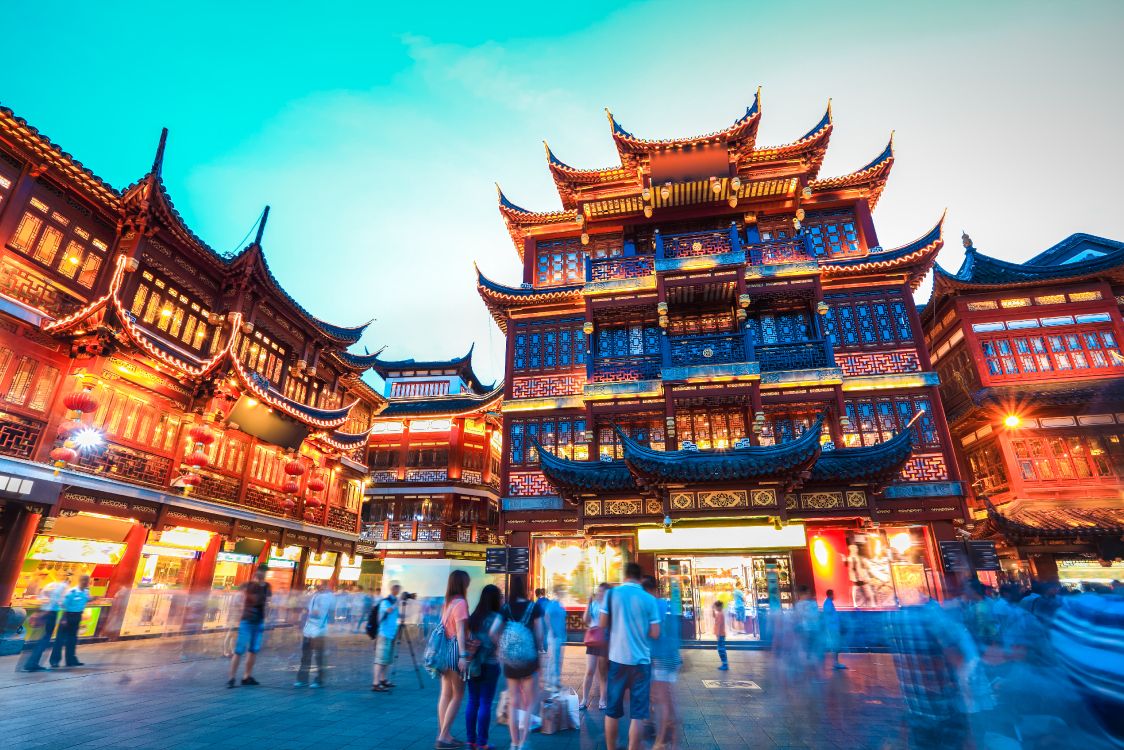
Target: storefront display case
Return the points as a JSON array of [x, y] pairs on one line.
[[158, 600], [571, 568], [874, 567]]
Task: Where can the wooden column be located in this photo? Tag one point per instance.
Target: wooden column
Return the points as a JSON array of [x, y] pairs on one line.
[[125, 571], [17, 542]]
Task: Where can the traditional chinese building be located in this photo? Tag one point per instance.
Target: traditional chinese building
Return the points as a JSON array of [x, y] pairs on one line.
[[714, 367], [1033, 383], [172, 417], [433, 503]]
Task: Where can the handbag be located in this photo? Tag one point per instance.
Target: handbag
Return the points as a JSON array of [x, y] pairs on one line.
[[596, 636], [442, 653]]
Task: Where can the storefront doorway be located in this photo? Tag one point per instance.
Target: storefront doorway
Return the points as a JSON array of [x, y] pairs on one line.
[[740, 581]]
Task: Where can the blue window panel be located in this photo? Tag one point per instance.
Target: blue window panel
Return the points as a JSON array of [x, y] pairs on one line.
[[866, 322], [901, 319], [550, 353], [534, 358], [847, 326], [520, 354], [564, 350], [532, 434], [830, 326], [886, 333], [517, 443]]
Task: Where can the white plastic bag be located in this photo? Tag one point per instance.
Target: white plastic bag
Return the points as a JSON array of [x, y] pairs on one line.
[[570, 698]]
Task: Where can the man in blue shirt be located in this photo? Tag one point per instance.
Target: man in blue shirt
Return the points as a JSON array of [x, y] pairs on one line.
[[385, 616], [554, 617], [632, 619], [50, 604], [73, 604]]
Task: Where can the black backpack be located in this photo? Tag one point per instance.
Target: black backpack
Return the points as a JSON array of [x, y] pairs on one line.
[[373, 619]]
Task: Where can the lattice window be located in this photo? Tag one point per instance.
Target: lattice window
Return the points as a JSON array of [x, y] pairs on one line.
[[559, 262], [832, 234], [1062, 457], [714, 427], [264, 356], [42, 233], [563, 436], [1070, 351], [720, 321], [863, 320], [268, 465], [19, 436], [630, 340], [419, 388], [430, 456], [872, 421], [557, 345], [987, 467], [783, 425], [780, 327], [125, 416], [647, 429], [159, 304], [5, 188]]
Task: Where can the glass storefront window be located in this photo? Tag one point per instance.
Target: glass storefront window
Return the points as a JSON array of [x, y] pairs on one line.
[[871, 568], [570, 569]]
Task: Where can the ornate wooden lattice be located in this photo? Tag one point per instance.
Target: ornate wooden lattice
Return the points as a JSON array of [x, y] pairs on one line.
[[805, 356], [19, 436], [128, 464], [719, 349], [610, 269]]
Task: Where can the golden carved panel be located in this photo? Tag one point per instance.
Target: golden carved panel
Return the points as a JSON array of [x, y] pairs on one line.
[[683, 500], [821, 500], [790, 501], [856, 499], [623, 508], [763, 498], [724, 499], [654, 507], [592, 507]]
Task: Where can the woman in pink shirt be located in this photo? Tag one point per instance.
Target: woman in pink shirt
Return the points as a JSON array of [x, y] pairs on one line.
[[454, 618]]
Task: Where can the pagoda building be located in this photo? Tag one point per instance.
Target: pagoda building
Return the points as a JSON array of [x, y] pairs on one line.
[[172, 417], [1033, 383], [433, 502], [714, 367]]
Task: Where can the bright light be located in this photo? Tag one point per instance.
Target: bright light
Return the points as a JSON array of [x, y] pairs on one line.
[[87, 438], [820, 552], [901, 542], [1011, 421], [166, 312], [251, 402]]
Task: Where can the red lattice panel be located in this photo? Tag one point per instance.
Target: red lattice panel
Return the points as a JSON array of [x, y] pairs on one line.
[[545, 386], [925, 469], [342, 519], [530, 484], [879, 363]]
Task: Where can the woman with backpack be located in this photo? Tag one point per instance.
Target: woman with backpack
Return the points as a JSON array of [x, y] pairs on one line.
[[596, 649], [484, 628], [519, 654], [454, 622]]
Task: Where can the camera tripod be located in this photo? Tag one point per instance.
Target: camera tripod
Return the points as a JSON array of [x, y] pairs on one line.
[[404, 635]]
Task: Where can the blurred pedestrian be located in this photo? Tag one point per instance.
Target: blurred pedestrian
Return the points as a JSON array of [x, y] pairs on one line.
[[633, 619], [366, 602], [739, 606], [382, 625], [554, 629], [806, 614], [73, 604], [720, 634], [314, 634], [454, 620], [485, 625], [596, 650], [51, 597], [833, 633], [519, 649], [251, 627], [666, 662]]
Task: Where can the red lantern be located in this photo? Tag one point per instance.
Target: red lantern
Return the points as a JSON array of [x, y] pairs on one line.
[[290, 487], [68, 426], [191, 480], [315, 484], [63, 454], [288, 504], [312, 502], [294, 468], [197, 460], [201, 434], [309, 515], [80, 401]]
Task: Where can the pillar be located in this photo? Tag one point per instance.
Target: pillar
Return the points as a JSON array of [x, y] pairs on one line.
[[1044, 567], [126, 571], [13, 552], [802, 570], [205, 567]]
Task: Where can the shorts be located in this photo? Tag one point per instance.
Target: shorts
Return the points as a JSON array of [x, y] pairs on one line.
[[665, 675], [636, 679], [250, 637], [384, 650]]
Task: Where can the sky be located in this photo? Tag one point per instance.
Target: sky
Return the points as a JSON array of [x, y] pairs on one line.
[[377, 133]]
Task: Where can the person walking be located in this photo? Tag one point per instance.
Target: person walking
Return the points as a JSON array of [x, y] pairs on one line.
[[554, 619], [833, 633], [73, 604], [806, 614], [739, 606], [632, 618], [666, 662], [720, 634], [519, 650], [251, 627], [51, 599], [314, 634], [383, 624], [485, 625], [454, 619], [596, 650]]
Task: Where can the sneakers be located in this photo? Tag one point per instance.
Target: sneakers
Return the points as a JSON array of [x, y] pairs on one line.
[[230, 683], [724, 667], [379, 689], [299, 684], [840, 665], [315, 684], [250, 681], [34, 668]]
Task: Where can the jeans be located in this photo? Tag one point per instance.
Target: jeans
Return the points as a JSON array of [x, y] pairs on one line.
[[308, 647], [636, 680], [67, 638], [722, 648], [48, 620], [478, 707]]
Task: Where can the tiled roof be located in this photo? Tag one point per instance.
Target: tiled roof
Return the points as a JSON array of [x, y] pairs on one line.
[[872, 463], [576, 477], [1056, 522], [453, 405]]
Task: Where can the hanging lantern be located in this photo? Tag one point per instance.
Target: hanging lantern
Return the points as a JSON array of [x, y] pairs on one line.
[[291, 487], [663, 321], [736, 182], [313, 502], [821, 307], [80, 401], [743, 300], [661, 308], [665, 191], [715, 185], [585, 238], [796, 224], [191, 480], [201, 434], [733, 201], [581, 220], [315, 484], [309, 515], [197, 459], [742, 316], [800, 214], [63, 455], [587, 328], [288, 504], [294, 468], [67, 428], [647, 212], [646, 194]]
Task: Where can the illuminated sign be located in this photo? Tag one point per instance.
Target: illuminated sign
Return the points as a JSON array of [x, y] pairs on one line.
[[236, 557], [63, 549], [721, 538], [277, 562], [319, 572], [181, 536], [155, 550]]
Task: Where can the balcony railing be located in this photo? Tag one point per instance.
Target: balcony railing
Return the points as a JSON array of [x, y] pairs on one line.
[[34, 290], [778, 253], [713, 349], [616, 269], [624, 369], [697, 244], [804, 355]]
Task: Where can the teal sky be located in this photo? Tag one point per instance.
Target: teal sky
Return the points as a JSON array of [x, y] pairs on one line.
[[376, 133]]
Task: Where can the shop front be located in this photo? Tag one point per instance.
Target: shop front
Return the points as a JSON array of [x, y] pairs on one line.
[[874, 567], [571, 568], [164, 580]]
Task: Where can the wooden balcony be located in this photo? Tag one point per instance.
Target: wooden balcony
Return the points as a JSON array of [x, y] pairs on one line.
[[803, 355]]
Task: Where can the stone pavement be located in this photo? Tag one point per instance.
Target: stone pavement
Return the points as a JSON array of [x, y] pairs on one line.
[[171, 694]]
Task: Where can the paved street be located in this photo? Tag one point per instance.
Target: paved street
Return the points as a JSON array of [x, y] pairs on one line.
[[171, 694]]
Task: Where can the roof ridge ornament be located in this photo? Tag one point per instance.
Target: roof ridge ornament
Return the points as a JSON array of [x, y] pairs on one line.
[[261, 226], [158, 160]]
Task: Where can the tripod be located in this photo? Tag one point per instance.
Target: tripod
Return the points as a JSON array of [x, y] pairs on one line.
[[404, 635]]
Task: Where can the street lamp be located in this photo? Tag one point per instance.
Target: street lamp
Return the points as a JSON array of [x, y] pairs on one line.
[[1012, 421]]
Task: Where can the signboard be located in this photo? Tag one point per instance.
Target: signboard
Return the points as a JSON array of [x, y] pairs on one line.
[[236, 557], [983, 556], [954, 557], [499, 560]]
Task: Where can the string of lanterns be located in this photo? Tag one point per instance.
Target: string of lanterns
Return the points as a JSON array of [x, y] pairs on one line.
[[78, 402], [201, 438]]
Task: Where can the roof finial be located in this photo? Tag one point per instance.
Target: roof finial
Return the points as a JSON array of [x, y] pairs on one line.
[[829, 119], [966, 240], [158, 162], [261, 226]]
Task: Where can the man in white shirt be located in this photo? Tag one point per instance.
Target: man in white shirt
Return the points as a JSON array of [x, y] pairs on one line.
[[50, 604], [321, 610], [73, 604], [386, 623], [633, 622]]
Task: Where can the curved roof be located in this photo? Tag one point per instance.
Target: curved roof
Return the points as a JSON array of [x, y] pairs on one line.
[[500, 298], [1056, 521], [345, 441], [311, 415], [810, 147], [462, 366], [871, 177], [873, 463], [743, 129], [733, 465], [572, 478], [455, 405], [357, 362], [979, 270], [914, 258]]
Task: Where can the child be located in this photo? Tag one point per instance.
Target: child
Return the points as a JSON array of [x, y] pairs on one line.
[[720, 634]]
